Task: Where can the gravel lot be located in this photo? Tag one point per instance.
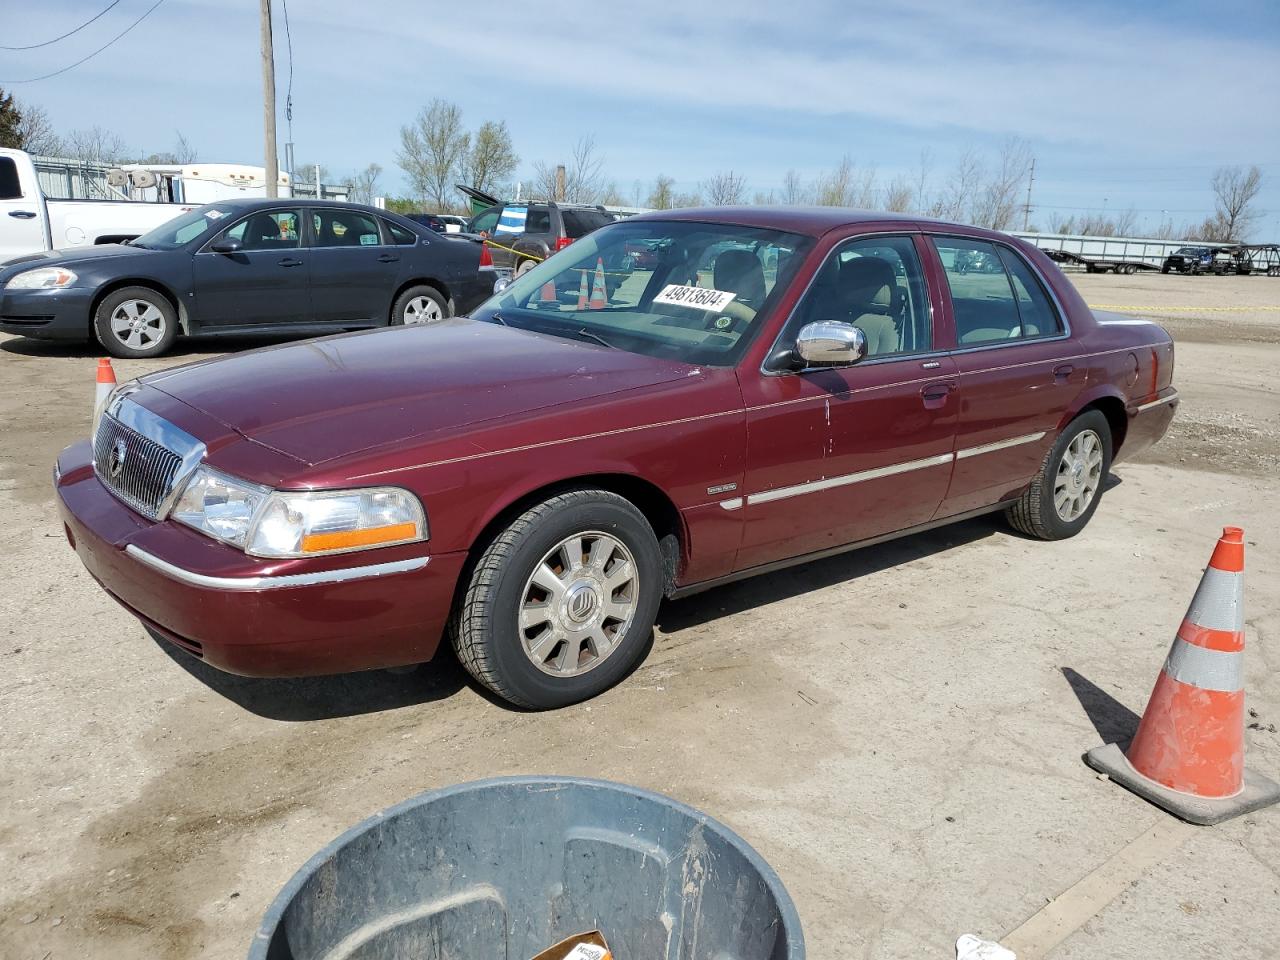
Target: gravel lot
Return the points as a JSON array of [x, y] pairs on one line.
[[898, 731]]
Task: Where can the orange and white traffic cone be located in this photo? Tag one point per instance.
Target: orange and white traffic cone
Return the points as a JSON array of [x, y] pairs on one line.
[[548, 294], [106, 383], [582, 291], [599, 293], [1188, 753]]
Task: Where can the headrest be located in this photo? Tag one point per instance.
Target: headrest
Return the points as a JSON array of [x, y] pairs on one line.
[[868, 282]]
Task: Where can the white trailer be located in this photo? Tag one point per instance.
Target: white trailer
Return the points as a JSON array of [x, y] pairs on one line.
[[30, 222], [1101, 254], [194, 183]]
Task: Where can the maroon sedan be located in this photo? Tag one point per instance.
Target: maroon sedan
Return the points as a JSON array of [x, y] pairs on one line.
[[769, 387]]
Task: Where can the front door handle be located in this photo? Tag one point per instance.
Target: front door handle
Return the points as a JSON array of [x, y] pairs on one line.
[[290, 262], [388, 258], [934, 395], [1062, 371], [23, 214]]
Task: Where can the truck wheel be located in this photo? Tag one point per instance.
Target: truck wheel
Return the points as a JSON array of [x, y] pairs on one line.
[[562, 602], [420, 304], [135, 322], [524, 266], [1065, 492]]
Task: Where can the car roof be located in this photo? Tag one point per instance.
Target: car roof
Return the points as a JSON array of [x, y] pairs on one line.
[[812, 221], [249, 203]]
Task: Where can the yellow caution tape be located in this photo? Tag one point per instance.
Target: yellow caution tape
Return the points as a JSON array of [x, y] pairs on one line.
[[520, 253], [1152, 308]]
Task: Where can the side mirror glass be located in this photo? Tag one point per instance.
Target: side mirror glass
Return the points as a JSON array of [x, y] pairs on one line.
[[831, 343], [226, 245]]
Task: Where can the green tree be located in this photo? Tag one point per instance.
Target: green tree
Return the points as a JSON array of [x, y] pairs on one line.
[[10, 122], [432, 150], [492, 158]]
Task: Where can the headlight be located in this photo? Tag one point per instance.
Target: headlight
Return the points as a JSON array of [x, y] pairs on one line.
[[267, 523], [336, 521], [44, 278], [219, 505]]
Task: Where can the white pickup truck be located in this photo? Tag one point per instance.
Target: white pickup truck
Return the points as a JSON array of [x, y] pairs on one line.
[[31, 223]]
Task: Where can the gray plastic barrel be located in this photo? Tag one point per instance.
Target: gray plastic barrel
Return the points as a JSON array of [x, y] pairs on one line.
[[502, 869]]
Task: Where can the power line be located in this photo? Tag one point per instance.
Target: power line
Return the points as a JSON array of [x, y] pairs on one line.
[[288, 93], [37, 46], [118, 36]]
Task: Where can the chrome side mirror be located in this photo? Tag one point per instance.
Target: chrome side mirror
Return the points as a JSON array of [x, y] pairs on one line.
[[830, 343]]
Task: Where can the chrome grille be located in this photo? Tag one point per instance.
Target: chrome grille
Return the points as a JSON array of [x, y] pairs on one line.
[[137, 469]]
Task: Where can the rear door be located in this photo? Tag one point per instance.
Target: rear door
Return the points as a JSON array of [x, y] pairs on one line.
[[354, 269], [1013, 355], [22, 211], [508, 229], [266, 281]]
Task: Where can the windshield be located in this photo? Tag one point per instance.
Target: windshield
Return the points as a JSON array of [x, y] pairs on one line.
[[180, 231], [693, 292]]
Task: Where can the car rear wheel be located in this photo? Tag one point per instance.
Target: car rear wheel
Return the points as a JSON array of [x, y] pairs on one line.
[[524, 266], [135, 322], [420, 304], [562, 602], [1065, 492]]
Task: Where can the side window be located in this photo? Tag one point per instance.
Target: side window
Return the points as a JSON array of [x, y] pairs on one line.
[[876, 285], [981, 298], [1039, 318], [487, 221], [335, 227], [274, 230], [400, 236], [10, 188], [538, 221], [513, 219]]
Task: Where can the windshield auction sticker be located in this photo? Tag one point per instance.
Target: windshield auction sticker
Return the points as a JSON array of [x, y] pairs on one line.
[[700, 298]]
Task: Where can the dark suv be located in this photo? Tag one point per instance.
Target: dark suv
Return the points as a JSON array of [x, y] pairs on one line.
[[523, 233]]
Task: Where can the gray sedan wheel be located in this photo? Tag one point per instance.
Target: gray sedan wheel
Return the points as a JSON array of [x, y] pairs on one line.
[[420, 305], [135, 322]]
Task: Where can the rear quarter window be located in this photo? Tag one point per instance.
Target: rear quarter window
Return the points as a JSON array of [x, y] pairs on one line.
[[578, 223]]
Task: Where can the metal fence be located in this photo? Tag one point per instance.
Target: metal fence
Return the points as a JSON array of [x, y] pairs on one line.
[[64, 178]]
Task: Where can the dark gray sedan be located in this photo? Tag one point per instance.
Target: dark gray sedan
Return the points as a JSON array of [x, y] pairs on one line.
[[245, 267]]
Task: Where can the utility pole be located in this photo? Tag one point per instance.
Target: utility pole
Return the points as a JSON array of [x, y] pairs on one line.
[[1026, 208], [272, 174]]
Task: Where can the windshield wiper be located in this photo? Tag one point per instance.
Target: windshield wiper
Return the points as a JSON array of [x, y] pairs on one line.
[[584, 332], [497, 318]]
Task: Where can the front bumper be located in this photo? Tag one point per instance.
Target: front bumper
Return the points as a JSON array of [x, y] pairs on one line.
[[46, 314], [332, 614]]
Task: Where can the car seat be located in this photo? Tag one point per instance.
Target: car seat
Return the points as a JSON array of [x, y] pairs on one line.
[[740, 272], [870, 290]]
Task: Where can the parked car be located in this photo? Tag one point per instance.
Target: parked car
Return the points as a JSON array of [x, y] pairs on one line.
[[531, 482], [1189, 260], [523, 234], [439, 222], [244, 267], [32, 223]]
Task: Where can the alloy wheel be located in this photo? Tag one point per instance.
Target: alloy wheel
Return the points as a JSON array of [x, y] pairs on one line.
[[137, 324], [1079, 476], [578, 603], [422, 310]]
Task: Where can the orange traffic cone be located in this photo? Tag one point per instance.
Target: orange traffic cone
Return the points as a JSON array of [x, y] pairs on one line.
[[599, 293], [582, 291], [1188, 753], [548, 294], [106, 383]]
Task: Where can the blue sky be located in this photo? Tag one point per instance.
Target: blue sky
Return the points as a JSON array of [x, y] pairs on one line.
[[1124, 104]]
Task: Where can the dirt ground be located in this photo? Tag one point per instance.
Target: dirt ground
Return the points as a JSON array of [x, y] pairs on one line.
[[898, 731]]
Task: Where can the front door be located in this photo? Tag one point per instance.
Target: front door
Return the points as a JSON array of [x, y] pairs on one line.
[[266, 281], [838, 455], [1014, 381], [354, 274]]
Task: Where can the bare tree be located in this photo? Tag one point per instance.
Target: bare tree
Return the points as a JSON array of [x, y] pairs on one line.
[[432, 149], [691, 199], [923, 171], [764, 198], [184, 150], [1235, 189], [583, 175], [724, 189], [835, 189], [794, 190], [962, 185], [364, 185], [899, 195], [662, 196], [35, 132], [611, 196], [996, 205], [491, 159], [94, 145]]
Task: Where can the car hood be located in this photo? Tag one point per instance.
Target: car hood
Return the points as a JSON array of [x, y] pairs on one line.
[[73, 255], [322, 399]]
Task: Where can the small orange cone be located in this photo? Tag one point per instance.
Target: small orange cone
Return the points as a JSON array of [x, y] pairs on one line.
[[1188, 753], [599, 293], [582, 291], [106, 383], [549, 292]]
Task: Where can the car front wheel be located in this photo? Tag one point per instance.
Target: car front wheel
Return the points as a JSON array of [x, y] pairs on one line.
[[420, 304], [1065, 492], [561, 604], [135, 322]]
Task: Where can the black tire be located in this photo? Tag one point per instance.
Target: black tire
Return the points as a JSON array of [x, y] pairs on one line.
[[1034, 513], [523, 266], [412, 298], [157, 323], [1164, 269], [484, 628]]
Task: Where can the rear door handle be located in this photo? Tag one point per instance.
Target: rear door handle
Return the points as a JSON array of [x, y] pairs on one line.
[[388, 258], [935, 395], [1062, 371], [23, 214], [290, 262]]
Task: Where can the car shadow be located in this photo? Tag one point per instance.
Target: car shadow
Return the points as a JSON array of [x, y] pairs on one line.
[[805, 578], [1114, 722], [183, 347], [300, 699]]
